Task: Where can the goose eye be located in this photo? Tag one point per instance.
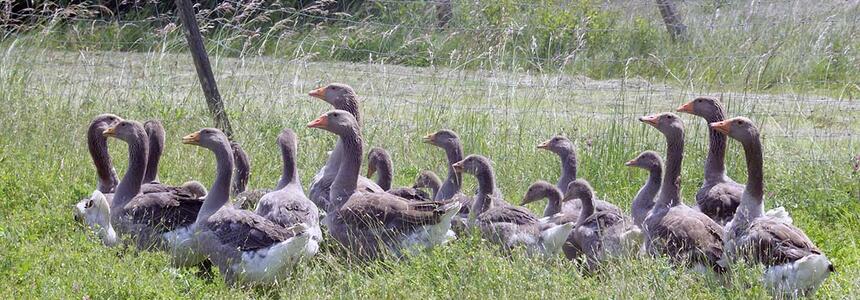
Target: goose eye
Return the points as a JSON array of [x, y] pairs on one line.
[[739, 122], [89, 204]]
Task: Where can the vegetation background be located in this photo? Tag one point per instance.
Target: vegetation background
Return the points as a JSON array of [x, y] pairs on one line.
[[505, 74]]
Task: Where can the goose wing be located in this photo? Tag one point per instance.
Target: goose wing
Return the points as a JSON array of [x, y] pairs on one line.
[[775, 243], [246, 230], [165, 210], [692, 235], [366, 209]]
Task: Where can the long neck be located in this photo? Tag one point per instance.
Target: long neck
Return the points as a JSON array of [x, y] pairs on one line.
[[553, 206], [644, 200], [219, 194], [97, 145], [486, 189], [715, 167], [670, 190], [754, 191], [568, 168], [383, 168], [346, 181], [290, 173], [452, 184], [587, 207], [156, 147], [350, 104], [138, 148]]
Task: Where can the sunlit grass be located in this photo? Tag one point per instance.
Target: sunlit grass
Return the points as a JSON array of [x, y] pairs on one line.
[[50, 96]]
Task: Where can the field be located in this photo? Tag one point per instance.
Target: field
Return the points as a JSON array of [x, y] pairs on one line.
[[50, 92]]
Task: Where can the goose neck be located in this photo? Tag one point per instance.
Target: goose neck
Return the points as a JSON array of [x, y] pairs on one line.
[[97, 145], [346, 181], [138, 149], [454, 181], [219, 194], [670, 189]]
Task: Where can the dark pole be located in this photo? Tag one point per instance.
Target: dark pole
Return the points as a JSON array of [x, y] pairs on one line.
[[444, 12], [677, 29], [204, 69]]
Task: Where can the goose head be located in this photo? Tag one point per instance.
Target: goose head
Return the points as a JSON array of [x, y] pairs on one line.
[[336, 94], [648, 160], [538, 190], [209, 138], [443, 139], [195, 188], [95, 213], [579, 188], [556, 144], [375, 158], [473, 164], [104, 121], [667, 123], [427, 179], [126, 130], [702, 107], [738, 128], [336, 121]]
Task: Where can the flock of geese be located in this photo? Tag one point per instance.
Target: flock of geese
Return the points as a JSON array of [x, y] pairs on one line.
[[262, 234]]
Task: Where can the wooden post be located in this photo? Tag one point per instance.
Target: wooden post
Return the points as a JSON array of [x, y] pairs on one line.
[[676, 28], [204, 68], [444, 12]]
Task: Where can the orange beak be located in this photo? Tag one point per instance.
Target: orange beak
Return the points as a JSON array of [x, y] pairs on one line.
[[722, 126], [371, 169], [429, 138], [458, 166], [321, 122], [111, 131], [318, 93], [630, 162], [687, 107], [192, 139], [652, 119], [543, 145]]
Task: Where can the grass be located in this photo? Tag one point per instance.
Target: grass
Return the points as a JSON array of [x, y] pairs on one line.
[[507, 83], [740, 45], [49, 97]]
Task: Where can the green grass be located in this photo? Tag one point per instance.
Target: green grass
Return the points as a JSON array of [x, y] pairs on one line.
[[775, 46], [49, 96]]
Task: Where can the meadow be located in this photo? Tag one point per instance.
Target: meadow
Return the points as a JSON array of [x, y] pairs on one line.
[[50, 90]]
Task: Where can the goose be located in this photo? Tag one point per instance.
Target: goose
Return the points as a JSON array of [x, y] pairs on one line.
[[557, 204], [379, 160], [370, 224], [288, 206], [107, 177], [242, 197], [153, 220], [428, 179], [566, 152], [793, 264], [341, 97], [686, 236], [506, 225], [449, 141], [644, 200], [719, 195], [246, 247], [599, 234]]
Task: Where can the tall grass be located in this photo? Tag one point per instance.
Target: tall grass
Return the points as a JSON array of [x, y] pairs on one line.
[[739, 45], [50, 95]]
